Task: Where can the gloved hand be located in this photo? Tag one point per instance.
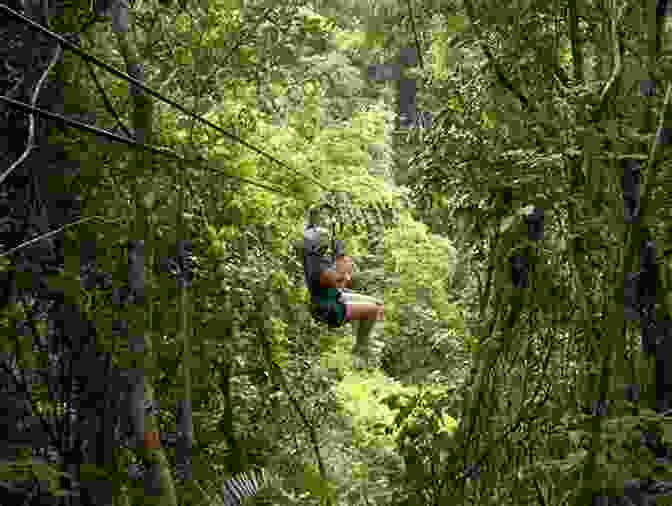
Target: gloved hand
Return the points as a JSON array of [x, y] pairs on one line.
[[324, 240]]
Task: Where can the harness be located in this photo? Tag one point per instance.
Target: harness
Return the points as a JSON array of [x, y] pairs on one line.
[[327, 313], [326, 309]]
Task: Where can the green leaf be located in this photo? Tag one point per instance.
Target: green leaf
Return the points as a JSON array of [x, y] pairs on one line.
[[360, 471], [667, 430], [507, 223], [218, 248], [149, 200], [246, 168], [13, 472], [222, 151], [448, 424], [574, 460], [455, 23], [313, 482], [575, 436], [212, 233]]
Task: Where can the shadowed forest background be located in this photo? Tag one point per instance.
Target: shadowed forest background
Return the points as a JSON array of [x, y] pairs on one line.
[[157, 161]]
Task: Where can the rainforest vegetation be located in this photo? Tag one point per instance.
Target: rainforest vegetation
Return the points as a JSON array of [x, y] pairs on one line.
[[498, 171]]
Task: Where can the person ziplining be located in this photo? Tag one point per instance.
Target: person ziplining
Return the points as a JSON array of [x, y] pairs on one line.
[[328, 277]]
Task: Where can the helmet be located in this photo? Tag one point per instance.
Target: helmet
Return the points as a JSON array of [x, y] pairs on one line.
[[318, 239]]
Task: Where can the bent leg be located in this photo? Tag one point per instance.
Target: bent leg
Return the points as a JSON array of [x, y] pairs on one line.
[[350, 297]]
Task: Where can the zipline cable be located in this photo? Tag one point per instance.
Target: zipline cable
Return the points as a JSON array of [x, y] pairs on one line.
[[73, 47], [130, 142]]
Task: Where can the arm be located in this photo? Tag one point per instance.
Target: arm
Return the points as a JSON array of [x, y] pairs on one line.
[[344, 266], [332, 279], [330, 275], [341, 277]]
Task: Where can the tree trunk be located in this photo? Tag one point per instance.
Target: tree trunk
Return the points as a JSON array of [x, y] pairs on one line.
[[159, 484], [100, 430], [185, 426]]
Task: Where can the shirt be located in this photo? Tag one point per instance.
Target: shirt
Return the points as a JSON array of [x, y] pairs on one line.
[[315, 261]]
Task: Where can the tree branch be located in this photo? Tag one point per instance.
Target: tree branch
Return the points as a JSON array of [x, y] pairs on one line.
[[577, 55], [54, 232], [609, 89], [647, 183], [415, 34], [30, 144], [504, 81], [276, 372]]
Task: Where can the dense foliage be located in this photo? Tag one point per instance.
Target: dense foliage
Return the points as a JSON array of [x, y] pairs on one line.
[[520, 245]]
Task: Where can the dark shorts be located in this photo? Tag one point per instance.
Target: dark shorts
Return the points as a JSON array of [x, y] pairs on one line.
[[328, 308]]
